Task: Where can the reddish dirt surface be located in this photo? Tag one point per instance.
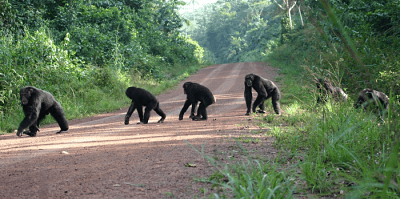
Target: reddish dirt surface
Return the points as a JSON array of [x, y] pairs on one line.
[[100, 157]]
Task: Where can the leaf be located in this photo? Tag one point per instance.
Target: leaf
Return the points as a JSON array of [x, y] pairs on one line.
[[190, 165]]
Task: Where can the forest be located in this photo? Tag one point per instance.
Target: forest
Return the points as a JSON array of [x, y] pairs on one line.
[[86, 52]]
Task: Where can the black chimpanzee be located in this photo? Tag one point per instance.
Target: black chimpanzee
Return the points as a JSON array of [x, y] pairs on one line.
[[326, 89], [195, 93], [140, 98], [37, 104], [265, 89], [372, 97]]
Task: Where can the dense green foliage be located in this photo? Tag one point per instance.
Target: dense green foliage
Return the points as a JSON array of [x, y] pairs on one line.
[[87, 52], [358, 40], [340, 151]]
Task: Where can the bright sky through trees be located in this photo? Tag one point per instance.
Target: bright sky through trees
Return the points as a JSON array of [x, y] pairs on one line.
[[202, 2], [197, 4]]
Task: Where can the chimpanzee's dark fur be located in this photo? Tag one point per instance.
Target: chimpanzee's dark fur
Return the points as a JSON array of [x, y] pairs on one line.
[[326, 89], [265, 89], [140, 98], [369, 97], [37, 104], [197, 93]]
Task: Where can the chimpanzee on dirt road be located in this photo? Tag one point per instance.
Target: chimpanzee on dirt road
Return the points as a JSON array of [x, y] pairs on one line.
[[140, 98], [37, 104], [197, 93], [265, 89]]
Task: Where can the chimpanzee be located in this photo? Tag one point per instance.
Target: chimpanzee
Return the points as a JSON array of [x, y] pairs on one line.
[[140, 98], [265, 89], [37, 104], [326, 89], [375, 98], [197, 93]]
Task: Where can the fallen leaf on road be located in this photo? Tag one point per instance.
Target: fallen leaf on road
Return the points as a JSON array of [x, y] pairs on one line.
[[190, 165]]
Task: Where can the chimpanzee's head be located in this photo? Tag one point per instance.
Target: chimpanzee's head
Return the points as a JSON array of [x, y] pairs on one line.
[[185, 86], [25, 94], [249, 79]]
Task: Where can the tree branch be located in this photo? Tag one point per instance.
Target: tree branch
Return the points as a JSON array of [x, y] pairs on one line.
[[290, 16], [279, 5]]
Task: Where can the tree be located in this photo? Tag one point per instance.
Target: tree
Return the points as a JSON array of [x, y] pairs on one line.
[[287, 8], [257, 9]]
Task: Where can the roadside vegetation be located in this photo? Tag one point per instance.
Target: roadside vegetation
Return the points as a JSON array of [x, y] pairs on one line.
[[330, 149], [86, 53]]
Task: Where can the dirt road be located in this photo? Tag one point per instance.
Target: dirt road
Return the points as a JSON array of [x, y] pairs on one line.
[[100, 157]]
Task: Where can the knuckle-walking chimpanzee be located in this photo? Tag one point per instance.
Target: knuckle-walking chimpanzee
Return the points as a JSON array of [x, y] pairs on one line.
[[326, 89], [140, 98], [369, 98], [37, 104], [197, 93], [265, 89]]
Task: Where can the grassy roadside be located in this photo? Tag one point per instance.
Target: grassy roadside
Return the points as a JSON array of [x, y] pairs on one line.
[[340, 151], [330, 150]]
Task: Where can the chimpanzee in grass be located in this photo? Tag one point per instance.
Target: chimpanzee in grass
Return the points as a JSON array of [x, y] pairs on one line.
[[37, 104], [326, 89], [197, 93], [140, 98], [369, 98], [265, 90]]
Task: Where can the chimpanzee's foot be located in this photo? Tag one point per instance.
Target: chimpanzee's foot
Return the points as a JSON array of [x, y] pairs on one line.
[[61, 131], [198, 118], [32, 134]]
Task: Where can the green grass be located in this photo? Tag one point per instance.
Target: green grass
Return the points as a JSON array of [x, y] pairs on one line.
[[247, 139], [249, 179]]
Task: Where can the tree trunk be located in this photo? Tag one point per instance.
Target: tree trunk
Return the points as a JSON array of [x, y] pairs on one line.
[[290, 16], [301, 17]]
